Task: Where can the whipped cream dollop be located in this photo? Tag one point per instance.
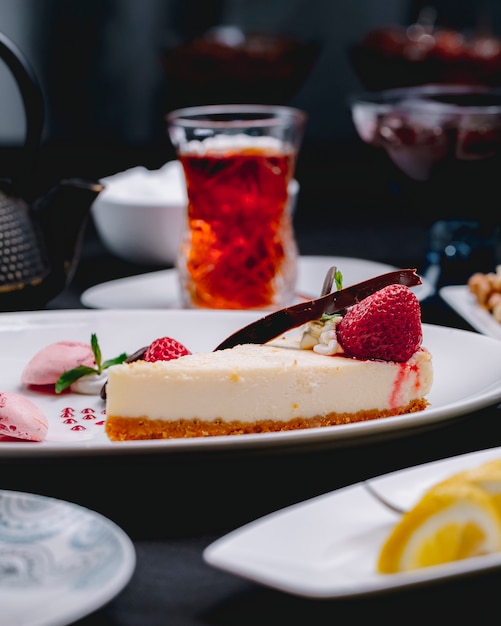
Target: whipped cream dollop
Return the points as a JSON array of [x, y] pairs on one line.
[[320, 336], [91, 384]]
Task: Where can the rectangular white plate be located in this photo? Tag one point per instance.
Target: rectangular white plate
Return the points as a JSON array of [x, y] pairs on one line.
[[459, 298], [327, 547]]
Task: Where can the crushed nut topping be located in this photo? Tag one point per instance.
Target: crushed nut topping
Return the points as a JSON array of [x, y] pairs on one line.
[[320, 336]]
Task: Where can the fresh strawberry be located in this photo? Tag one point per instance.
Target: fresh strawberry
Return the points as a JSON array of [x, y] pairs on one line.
[[164, 349], [385, 325]]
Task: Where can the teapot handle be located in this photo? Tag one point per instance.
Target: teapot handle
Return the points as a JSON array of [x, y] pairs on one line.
[[33, 102]]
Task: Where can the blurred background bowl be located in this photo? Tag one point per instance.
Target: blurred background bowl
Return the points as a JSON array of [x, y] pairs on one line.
[[227, 65], [426, 52], [140, 215], [442, 148]]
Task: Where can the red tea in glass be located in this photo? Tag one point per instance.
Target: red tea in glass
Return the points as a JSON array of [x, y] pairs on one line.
[[239, 249]]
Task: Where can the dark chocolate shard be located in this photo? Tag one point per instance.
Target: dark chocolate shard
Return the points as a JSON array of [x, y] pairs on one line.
[[279, 322]]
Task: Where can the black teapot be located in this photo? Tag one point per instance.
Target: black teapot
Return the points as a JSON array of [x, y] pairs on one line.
[[40, 242]]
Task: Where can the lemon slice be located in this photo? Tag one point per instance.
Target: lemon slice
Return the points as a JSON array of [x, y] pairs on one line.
[[454, 520], [486, 476]]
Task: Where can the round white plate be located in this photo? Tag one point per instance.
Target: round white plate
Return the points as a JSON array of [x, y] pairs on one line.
[[160, 290], [58, 561], [337, 557], [76, 422]]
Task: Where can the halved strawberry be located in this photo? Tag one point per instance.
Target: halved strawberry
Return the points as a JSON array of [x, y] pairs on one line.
[[165, 349], [385, 325]]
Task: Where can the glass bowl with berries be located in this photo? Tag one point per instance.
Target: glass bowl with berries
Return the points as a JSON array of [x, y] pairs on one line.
[[427, 51], [441, 147]]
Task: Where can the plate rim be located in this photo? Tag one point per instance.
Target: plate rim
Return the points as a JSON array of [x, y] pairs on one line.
[[88, 297]]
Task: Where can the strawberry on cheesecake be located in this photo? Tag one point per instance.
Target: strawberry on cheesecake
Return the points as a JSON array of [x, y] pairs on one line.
[[361, 363]]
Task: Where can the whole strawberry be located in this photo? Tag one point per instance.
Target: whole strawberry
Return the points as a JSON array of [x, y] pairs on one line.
[[164, 349], [385, 326]]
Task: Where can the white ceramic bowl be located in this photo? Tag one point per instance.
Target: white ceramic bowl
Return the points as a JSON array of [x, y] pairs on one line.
[[140, 215]]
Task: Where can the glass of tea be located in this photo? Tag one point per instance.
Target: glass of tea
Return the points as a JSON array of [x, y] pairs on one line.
[[239, 249], [442, 144]]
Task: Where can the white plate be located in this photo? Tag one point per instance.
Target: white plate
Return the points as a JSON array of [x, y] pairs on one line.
[[459, 298], [327, 547], [58, 561], [159, 290], [76, 422]]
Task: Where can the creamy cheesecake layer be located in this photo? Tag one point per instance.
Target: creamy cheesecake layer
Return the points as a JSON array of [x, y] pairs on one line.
[[255, 388]]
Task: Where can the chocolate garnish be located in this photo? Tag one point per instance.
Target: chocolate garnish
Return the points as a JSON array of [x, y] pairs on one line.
[[274, 324], [136, 356]]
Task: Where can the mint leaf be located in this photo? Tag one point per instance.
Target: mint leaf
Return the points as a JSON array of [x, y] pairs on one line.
[[94, 344], [338, 277], [68, 378], [329, 316], [117, 361]]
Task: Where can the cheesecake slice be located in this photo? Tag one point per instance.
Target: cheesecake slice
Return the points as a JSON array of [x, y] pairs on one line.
[[259, 388], [361, 363]]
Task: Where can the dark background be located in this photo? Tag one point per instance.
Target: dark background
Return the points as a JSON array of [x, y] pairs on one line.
[[106, 98], [106, 94], [99, 61]]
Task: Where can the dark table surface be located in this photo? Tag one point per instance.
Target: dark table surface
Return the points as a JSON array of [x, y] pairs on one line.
[[173, 506]]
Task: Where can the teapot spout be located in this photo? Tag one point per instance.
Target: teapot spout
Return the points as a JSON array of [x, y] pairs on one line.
[[61, 217]]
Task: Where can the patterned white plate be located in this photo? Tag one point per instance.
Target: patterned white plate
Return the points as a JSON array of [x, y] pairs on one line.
[[58, 561]]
